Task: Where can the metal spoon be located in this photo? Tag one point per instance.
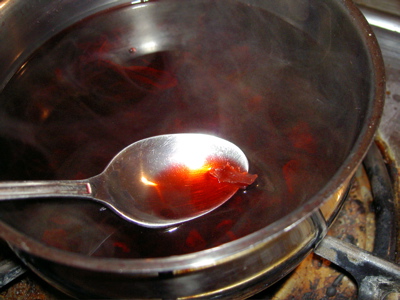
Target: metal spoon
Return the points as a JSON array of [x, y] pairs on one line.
[[156, 182]]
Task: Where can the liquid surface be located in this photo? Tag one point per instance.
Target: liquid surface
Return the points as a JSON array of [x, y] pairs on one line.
[[183, 190], [116, 78]]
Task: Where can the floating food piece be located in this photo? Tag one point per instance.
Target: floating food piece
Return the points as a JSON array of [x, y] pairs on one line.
[[230, 174]]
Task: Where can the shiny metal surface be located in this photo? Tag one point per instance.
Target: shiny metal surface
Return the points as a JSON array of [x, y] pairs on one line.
[[206, 276], [121, 185], [381, 20], [372, 269], [239, 268], [389, 7]]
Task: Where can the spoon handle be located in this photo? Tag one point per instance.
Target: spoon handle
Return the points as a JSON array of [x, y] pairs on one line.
[[37, 189]]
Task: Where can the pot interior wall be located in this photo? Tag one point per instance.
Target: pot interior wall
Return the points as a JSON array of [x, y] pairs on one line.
[[290, 87]]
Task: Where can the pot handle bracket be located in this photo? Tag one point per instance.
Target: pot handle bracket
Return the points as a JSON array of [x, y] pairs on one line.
[[376, 278]]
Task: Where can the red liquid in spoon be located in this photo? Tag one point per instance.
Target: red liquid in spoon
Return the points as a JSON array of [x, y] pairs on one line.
[[180, 191]]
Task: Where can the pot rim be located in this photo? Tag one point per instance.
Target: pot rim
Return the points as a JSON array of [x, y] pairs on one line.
[[20, 242]]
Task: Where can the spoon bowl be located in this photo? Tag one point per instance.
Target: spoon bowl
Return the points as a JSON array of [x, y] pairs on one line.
[[155, 182]]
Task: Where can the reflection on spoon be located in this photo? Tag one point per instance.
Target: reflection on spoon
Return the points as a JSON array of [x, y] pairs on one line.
[[156, 182]]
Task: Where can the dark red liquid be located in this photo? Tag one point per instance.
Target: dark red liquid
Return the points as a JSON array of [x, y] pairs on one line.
[[85, 95], [179, 191]]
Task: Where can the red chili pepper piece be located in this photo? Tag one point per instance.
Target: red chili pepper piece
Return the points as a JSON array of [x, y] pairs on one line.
[[229, 174], [195, 240], [290, 170], [302, 138], [124, 248]]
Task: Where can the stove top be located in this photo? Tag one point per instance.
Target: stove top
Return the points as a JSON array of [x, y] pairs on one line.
[[315, 278]]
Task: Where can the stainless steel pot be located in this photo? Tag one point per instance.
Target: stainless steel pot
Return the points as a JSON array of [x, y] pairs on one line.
[[297, 85]]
